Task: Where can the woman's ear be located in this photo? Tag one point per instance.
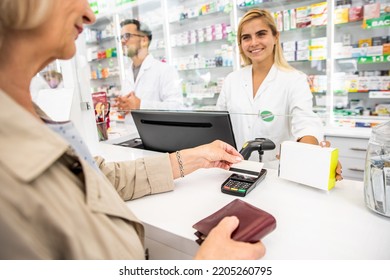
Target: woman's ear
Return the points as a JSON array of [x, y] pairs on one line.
[[277, 36]]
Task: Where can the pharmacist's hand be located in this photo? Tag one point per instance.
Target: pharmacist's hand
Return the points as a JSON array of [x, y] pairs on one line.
[[339, 169], [218, 245], [128, 102]]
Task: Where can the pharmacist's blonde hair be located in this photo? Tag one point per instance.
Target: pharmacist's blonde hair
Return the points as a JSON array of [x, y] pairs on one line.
[[22, 15], [269, 20]]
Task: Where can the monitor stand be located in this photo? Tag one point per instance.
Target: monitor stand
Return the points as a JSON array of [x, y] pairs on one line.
[[132, 143]]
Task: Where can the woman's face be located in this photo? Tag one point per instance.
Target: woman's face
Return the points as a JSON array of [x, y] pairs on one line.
[[64, 25], [258, 42]]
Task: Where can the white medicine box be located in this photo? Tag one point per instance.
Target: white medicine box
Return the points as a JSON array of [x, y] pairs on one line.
[[310, 165]]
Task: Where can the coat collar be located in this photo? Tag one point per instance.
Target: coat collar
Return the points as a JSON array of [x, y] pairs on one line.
[[146, 64], [246, 77], [23, 138]]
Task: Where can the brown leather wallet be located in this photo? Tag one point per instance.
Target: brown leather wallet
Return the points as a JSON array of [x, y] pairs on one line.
[[254, 222]]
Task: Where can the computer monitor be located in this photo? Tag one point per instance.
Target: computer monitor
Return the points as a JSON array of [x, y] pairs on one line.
[[169, 131]]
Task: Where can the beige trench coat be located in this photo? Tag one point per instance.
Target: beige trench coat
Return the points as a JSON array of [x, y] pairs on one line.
[[51, 210]]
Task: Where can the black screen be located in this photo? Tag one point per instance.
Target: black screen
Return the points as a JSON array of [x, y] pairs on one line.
[[169, 131]]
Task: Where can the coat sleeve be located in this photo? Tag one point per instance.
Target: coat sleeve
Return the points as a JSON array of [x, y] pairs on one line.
[[140, 177], [304, 120]]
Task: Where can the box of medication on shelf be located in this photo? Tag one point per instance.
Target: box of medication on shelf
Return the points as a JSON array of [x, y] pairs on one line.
[[355, 13], [371, 11], [286, 20], [308, 164], [303, 55], [303, 45], [386, 48], [318, 20], [341, 51], [358, 52], [383, 109], [319, 8], [374, 51], [319, 54], [318, 14], [365, 42], [341, 15], [303, 18], [290, 56], [289, 46], [318, 43]]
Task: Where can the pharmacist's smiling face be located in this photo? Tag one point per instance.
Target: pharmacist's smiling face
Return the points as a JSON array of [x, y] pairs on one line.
[[258, 42], [132, 45]]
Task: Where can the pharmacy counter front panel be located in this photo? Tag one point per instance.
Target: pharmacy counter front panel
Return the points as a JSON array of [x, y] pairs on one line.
[[311, 223]]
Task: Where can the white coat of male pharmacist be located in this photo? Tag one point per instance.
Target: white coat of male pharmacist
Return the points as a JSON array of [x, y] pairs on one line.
[[149, 83]]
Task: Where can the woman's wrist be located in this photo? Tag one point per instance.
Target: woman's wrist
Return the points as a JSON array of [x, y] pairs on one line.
[[184, 162], [180, 162], [174, 165]]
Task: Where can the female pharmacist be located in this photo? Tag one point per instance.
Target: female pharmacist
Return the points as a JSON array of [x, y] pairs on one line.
[[56, 202], [268, 98]]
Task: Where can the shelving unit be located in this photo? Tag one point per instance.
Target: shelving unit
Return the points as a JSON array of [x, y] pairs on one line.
[[151, 13], [339, 62], [102, 56], [361, 65], [325, 47], [201, 41]]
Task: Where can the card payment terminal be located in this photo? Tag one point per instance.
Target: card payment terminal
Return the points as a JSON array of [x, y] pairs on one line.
[[241, 185]]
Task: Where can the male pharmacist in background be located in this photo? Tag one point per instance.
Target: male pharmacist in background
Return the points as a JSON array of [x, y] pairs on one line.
[[149, 83]]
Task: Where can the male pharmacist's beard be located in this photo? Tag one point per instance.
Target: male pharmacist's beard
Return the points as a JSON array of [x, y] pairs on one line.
[[130, 52]]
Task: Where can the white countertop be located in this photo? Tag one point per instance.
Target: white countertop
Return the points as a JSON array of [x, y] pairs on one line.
[[311, 224], [121, 132]]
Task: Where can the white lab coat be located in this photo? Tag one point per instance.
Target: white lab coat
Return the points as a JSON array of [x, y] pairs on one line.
[[286, 94], [157, 85]]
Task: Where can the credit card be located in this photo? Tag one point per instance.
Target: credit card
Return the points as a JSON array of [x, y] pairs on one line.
[[247, 167]]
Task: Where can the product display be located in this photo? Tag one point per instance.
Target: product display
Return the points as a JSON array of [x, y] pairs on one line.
[[102, 56], [102, 114], [361, 64], [104, 80], [199, 39]]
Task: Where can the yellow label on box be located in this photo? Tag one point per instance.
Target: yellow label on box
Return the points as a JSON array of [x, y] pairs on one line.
[[341, 15], [319, 8], [365, 42]]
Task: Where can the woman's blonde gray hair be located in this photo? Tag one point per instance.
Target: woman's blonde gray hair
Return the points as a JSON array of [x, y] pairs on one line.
[[22, 15], [269, 20]]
